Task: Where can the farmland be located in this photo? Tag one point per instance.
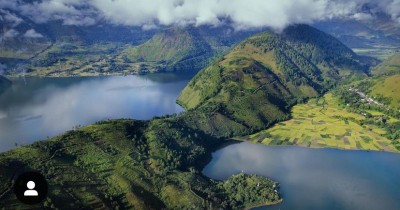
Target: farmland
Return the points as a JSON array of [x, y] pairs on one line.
[[323, 123]]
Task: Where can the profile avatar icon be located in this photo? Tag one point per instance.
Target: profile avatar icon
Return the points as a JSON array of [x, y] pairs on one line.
[[31, 192], [30, 188]]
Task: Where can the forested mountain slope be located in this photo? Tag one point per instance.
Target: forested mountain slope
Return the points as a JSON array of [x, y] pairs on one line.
[[256, 83]]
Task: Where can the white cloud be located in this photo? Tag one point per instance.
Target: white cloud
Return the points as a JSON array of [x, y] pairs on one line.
[[240, 13], [11, 18], [362, 16], [31, 33]]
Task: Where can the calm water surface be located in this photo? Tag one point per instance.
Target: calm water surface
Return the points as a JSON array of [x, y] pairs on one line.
[[35, 108], [328, 179]]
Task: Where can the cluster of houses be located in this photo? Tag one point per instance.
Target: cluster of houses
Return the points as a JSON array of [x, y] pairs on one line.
[[364, 97]]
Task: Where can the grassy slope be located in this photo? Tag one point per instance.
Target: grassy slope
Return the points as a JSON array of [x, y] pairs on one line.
[[322, 123], [389, 88], [385, 82], [129, 164], [389, 66], [318, 122], [173, 49], [255, 84]]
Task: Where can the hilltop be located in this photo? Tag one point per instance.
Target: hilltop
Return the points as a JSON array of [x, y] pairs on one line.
[[172, 49], [255, 84]]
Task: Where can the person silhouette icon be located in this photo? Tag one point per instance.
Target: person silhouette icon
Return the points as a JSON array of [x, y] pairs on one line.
[[31, 191], [30, 187]]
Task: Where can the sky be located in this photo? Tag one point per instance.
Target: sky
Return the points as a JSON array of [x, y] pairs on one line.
[[240, 14]]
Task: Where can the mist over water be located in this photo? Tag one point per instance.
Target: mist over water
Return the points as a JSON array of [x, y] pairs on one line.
[[317, 178], [35, 108]]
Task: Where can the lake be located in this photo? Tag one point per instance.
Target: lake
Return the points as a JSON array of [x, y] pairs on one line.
[[328, 179], [35, 108]]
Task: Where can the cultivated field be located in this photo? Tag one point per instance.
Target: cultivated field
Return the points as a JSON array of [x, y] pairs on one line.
[[323, 123]]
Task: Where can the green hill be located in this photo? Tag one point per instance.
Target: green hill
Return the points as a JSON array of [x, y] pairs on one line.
[[173, 49], [256, 83], [384, 83], [389, 89], [182, 48], [388, 66], [128, 164]]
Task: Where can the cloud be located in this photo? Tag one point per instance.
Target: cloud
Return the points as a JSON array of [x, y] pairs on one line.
[[362, 16], [10, 33], [239, 13], [31, 33], [10, 18]]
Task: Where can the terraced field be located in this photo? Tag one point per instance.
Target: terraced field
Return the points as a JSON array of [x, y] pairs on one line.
[[323, 123]]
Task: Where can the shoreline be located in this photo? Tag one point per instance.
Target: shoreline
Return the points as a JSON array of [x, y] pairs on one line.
[[313, 147], [19, 75], [265, 204]]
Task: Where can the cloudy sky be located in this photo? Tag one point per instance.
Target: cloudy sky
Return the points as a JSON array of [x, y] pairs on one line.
[[239, 13]]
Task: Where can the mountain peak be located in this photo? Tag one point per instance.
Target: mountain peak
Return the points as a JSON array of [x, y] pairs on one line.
[[256, 82]]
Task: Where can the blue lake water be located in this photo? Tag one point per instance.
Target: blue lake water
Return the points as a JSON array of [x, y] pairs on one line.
[[34, 108], [328, 179]]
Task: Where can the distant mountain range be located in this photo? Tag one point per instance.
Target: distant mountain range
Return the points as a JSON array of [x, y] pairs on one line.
[[54, 49], [378, 36], [184, 48], [42, 49]]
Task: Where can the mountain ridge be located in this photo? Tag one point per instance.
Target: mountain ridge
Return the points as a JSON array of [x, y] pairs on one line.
[[183, 48], [256, 83]]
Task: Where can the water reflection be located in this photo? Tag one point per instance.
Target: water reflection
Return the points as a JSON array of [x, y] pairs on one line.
[[35, 108], [317, 178]]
